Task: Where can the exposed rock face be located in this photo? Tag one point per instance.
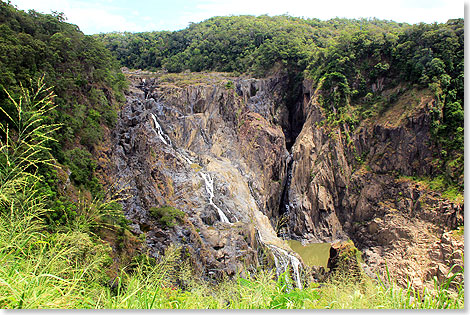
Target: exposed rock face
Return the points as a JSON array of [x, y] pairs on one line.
[[355, 190], [215, 152], [215, 147]]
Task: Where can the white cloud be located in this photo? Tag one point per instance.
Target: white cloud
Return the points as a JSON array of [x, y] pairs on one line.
[[41, 6], [90, 20], [411, 11], [90, 17]]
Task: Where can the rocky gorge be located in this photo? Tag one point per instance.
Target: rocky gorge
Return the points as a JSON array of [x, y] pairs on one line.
[[239, 165]]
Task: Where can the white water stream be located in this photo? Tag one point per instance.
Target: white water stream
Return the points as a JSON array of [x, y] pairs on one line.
[[209, 182], [159, 131], [210, 190], [282, 259]]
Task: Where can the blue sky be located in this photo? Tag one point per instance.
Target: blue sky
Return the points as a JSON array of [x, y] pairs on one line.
[[96, 16]]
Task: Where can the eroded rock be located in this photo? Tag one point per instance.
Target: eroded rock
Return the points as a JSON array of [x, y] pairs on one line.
[[332, 189]]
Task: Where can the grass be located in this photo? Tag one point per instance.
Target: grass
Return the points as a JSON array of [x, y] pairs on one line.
[[48, 281], [448, 190], [167, 215], [406, 104], [191, 78]]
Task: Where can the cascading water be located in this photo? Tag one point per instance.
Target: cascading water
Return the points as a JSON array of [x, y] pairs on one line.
[[209, 182], [210, 190], [159, 131], [282, 260], [284, 205], [185, 158]]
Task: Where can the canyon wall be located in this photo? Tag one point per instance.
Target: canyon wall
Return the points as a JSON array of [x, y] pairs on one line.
[[249, 162], [213, 149], [362, 188]]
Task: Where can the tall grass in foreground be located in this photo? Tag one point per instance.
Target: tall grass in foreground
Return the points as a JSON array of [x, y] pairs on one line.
[[65, 269], [38, 269], [344, 292], [263, 291]]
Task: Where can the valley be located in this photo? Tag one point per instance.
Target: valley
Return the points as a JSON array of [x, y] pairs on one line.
[[243, 162], [219, 154]]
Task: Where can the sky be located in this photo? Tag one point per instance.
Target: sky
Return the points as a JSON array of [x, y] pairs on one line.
[[102, 16]]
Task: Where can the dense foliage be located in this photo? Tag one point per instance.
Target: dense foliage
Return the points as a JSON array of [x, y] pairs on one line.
[[85, 78], [65, 268], [234, 44], [362, 64], [433, 55], [52, 248]]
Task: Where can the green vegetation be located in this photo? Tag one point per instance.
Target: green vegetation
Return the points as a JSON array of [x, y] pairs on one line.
[[344, 291], [234, 44], [351, 62], [167, 215], [40, 268], [68, 249], [85, 78], [440, 184], [353, 72], [229, 85]]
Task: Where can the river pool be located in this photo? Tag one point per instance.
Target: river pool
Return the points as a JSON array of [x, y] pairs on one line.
[[314, 254]]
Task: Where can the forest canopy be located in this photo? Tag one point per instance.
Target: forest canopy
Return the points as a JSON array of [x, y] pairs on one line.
[[236, 43], [64, 240]]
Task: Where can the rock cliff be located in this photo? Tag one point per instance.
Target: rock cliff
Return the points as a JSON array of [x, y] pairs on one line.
[[361, 188], [213, 147], [216, 148]]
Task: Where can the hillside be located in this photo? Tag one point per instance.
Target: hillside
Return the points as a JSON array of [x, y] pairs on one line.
[[242, 43], [178, 180], [85, 78]]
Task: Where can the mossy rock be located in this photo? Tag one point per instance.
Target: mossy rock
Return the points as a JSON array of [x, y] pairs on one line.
[[167, 215], [196, 167], [345, 257]]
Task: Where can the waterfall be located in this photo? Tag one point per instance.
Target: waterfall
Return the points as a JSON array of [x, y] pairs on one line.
[[285, 204], [210, 190], [207, 178], [249, 211], [185, 158], [159, 132], [282, 259]]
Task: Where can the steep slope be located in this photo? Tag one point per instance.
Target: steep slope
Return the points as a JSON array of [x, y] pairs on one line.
[[356, 133], [361, 188], [369, 148], [210, 146], [88, 87]]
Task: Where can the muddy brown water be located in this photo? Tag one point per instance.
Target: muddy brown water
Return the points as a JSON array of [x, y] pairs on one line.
[[314, 254]]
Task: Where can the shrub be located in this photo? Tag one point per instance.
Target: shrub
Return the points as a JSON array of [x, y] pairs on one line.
[[82, 167], [336, 90], [229, 85], [166, 215]]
